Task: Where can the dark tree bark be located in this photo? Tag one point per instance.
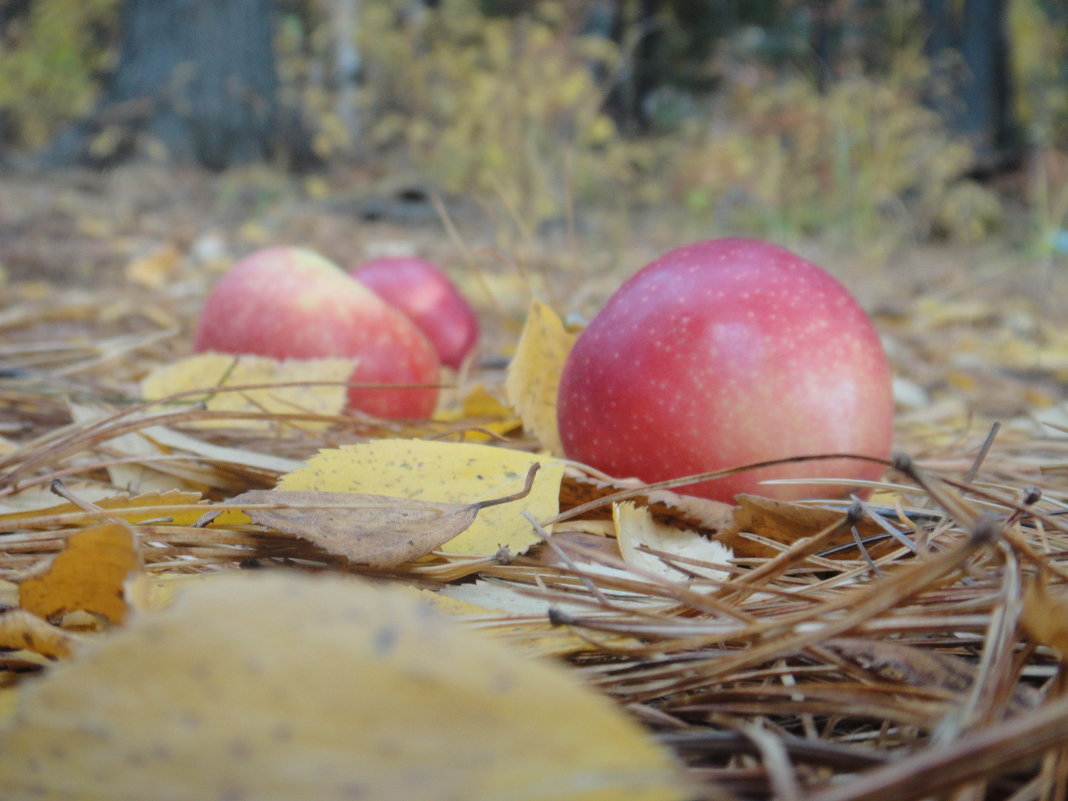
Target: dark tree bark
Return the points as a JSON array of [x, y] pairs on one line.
[[969, 53], [648, 66], [197, 76]]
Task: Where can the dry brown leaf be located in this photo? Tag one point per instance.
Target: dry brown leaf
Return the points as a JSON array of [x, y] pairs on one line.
[[918, 667], [91, 574], [375, 530], [667, 506], [786, 522], [443, 472]]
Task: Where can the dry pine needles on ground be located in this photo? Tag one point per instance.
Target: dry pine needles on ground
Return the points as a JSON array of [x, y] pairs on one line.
[[906, 647]]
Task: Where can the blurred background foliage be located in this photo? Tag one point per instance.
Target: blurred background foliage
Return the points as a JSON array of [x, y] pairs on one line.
[[53, 55], [726, 112]]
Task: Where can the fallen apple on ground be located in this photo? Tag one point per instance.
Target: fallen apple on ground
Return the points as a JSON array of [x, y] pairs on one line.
[[421, 290], [291, 303], [725, 353]]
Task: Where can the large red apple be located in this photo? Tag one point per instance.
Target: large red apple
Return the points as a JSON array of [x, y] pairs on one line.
[[421, 290], [291, 303], [726, 353]]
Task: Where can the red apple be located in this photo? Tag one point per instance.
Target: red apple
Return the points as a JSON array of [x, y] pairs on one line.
[[726, 353], [422, 291], [291, 303]]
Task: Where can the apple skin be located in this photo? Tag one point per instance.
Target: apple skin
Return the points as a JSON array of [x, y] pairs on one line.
[[725, 353], [291, 303], [421, 290]]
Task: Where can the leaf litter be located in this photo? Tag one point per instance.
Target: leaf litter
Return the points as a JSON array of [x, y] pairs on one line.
[[374, 530], [905, 647]]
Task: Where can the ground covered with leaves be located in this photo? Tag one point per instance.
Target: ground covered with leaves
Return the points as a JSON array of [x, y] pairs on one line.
[[904, 647]]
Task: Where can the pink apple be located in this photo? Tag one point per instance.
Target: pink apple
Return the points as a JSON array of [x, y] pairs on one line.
[[726, 353], [291, 303], [422, 291]]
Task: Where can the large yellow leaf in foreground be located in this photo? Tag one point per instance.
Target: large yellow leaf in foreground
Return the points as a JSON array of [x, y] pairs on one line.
[[280, 686], [444, 472]]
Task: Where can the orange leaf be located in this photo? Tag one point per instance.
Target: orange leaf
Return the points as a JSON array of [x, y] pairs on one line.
[[89, 574], [1045, 616]]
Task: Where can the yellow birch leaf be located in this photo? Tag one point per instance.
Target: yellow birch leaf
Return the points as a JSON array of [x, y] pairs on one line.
[[482, 411], [214, 371], [534, 374], [443, 472], [274, 686], [91, 574], [480, 402]]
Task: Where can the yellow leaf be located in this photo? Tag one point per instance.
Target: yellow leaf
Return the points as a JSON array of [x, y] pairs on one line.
[[480, 402], [443, 472], [8, 705], [91, 574], [212, 371], [138, 509], [503, 612], [156, 269], [534, 374], [636, 531], [935, 312], [276, 687], [482, 411], [21, 630]]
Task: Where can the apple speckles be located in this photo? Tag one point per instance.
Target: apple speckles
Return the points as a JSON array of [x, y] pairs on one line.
[[722, 353]]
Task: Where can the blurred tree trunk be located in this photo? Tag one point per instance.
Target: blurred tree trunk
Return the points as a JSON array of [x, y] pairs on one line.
[[346, 63], [969, 53], [197, 76], [828, 17]]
